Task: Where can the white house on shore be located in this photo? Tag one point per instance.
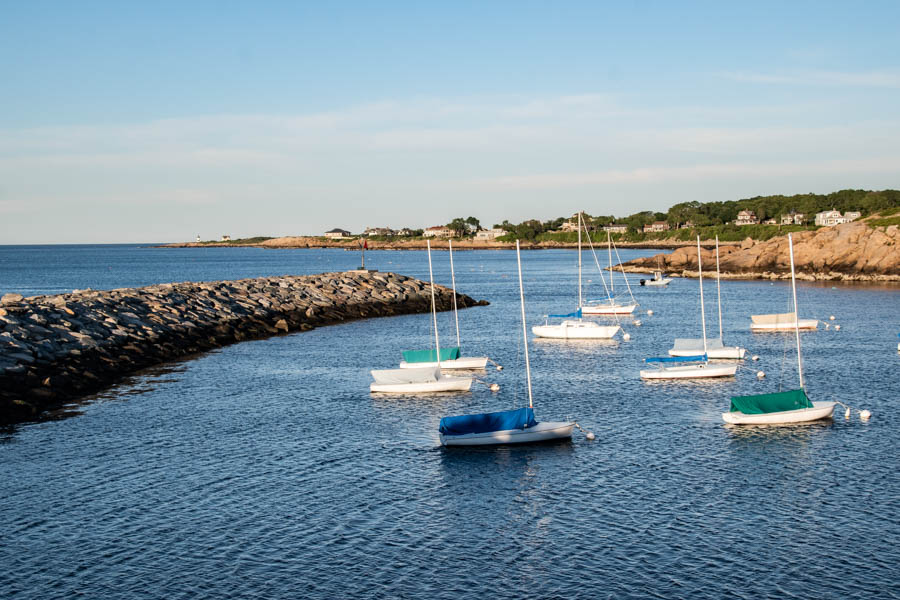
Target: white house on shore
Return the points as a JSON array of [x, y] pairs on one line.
[[656, 227], [829, 218], [438, 231], [337, 234], [793, 218], [746, 217], [490, 234], [370, 231]]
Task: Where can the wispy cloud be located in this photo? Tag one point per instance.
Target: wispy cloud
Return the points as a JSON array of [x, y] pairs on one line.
[[885, 79]]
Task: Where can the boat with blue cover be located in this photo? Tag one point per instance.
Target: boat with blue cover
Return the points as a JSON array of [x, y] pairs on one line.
[[517, 426], [785, 407]]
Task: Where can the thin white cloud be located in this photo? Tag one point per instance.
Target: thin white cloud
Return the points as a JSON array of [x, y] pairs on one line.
[[884, 79], [691, 173]]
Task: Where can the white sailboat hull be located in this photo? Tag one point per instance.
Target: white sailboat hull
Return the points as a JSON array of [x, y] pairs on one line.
[[702, 371], [542, 432], [444, 384], [820, 410], [803, 324], [608, 309], [734, 352], [463, 362], [576, 330]]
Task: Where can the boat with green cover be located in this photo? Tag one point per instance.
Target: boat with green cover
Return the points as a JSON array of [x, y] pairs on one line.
[[792, 406]]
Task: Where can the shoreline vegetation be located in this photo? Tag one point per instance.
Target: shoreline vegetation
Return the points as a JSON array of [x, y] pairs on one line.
[[62, 347]]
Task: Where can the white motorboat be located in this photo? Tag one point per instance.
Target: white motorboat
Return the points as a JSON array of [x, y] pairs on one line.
[[516, 426], [659, 280], [781, 322], [792, 406], [417, 381], [714, 348]]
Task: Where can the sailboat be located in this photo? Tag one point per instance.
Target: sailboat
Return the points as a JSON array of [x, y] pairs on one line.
[[792, 406], [573, 327], [702, 370], [450, 357], [421, 379], [714, 347], [517, 426], [611, 307]]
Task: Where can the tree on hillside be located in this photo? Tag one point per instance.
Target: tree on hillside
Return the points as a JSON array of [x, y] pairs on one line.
[[473, 223], [458, 226]]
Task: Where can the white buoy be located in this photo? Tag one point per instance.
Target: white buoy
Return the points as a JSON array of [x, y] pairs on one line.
[[589, 435], [495, 387], [649, 313], [760, 374], [756, 357], [864, 415], [827, 325], [847, 413], [637, 322], [626, 336], [499, 367], [831, 318], [837, 327]]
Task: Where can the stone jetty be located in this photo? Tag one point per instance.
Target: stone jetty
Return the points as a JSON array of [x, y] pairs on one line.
[[56, 348]]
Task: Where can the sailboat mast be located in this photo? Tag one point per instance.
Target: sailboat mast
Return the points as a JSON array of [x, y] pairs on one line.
[[612, 285], [453, 279], [796, 309], [437, 341], [718, 288], [524, 329], [702, 309], [580, 222]]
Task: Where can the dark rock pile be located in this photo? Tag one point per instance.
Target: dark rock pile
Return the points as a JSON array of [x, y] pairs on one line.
[[56, 348]]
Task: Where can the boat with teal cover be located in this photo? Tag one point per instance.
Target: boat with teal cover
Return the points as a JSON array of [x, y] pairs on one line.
[[451, 358], [517, 426], [792, 406]]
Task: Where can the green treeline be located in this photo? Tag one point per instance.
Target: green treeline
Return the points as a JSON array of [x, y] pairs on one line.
[[717, 218]]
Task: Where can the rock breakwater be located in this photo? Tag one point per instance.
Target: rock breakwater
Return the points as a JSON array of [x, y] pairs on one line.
[[849, 252], [56, 348]]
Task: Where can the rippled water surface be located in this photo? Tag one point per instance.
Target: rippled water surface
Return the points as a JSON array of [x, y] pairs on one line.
[[267, 470]]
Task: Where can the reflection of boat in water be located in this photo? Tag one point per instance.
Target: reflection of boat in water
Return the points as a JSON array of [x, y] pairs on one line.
[[792, 406], [517, 426]]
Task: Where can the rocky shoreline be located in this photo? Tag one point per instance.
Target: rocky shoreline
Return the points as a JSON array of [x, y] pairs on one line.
[[54, 349], [420, 244], [849, 252]]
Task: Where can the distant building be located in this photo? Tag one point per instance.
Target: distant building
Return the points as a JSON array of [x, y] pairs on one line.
[[746, 217], [569, 226], [616, 228], [406, 232], [198, 238], [438, 231], [656, 227], [490, 234], [771, 221], [370, 231], [337, 234], [832, 217], [226, 238], [686, 225], [793, 218]]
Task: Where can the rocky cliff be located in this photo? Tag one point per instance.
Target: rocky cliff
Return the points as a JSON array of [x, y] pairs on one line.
[[849, 252], [55, 348]]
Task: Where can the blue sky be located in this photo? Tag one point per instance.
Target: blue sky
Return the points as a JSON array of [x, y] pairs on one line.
[[161, 121]]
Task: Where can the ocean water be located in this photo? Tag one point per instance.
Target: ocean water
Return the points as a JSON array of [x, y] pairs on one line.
[[267, 470]]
